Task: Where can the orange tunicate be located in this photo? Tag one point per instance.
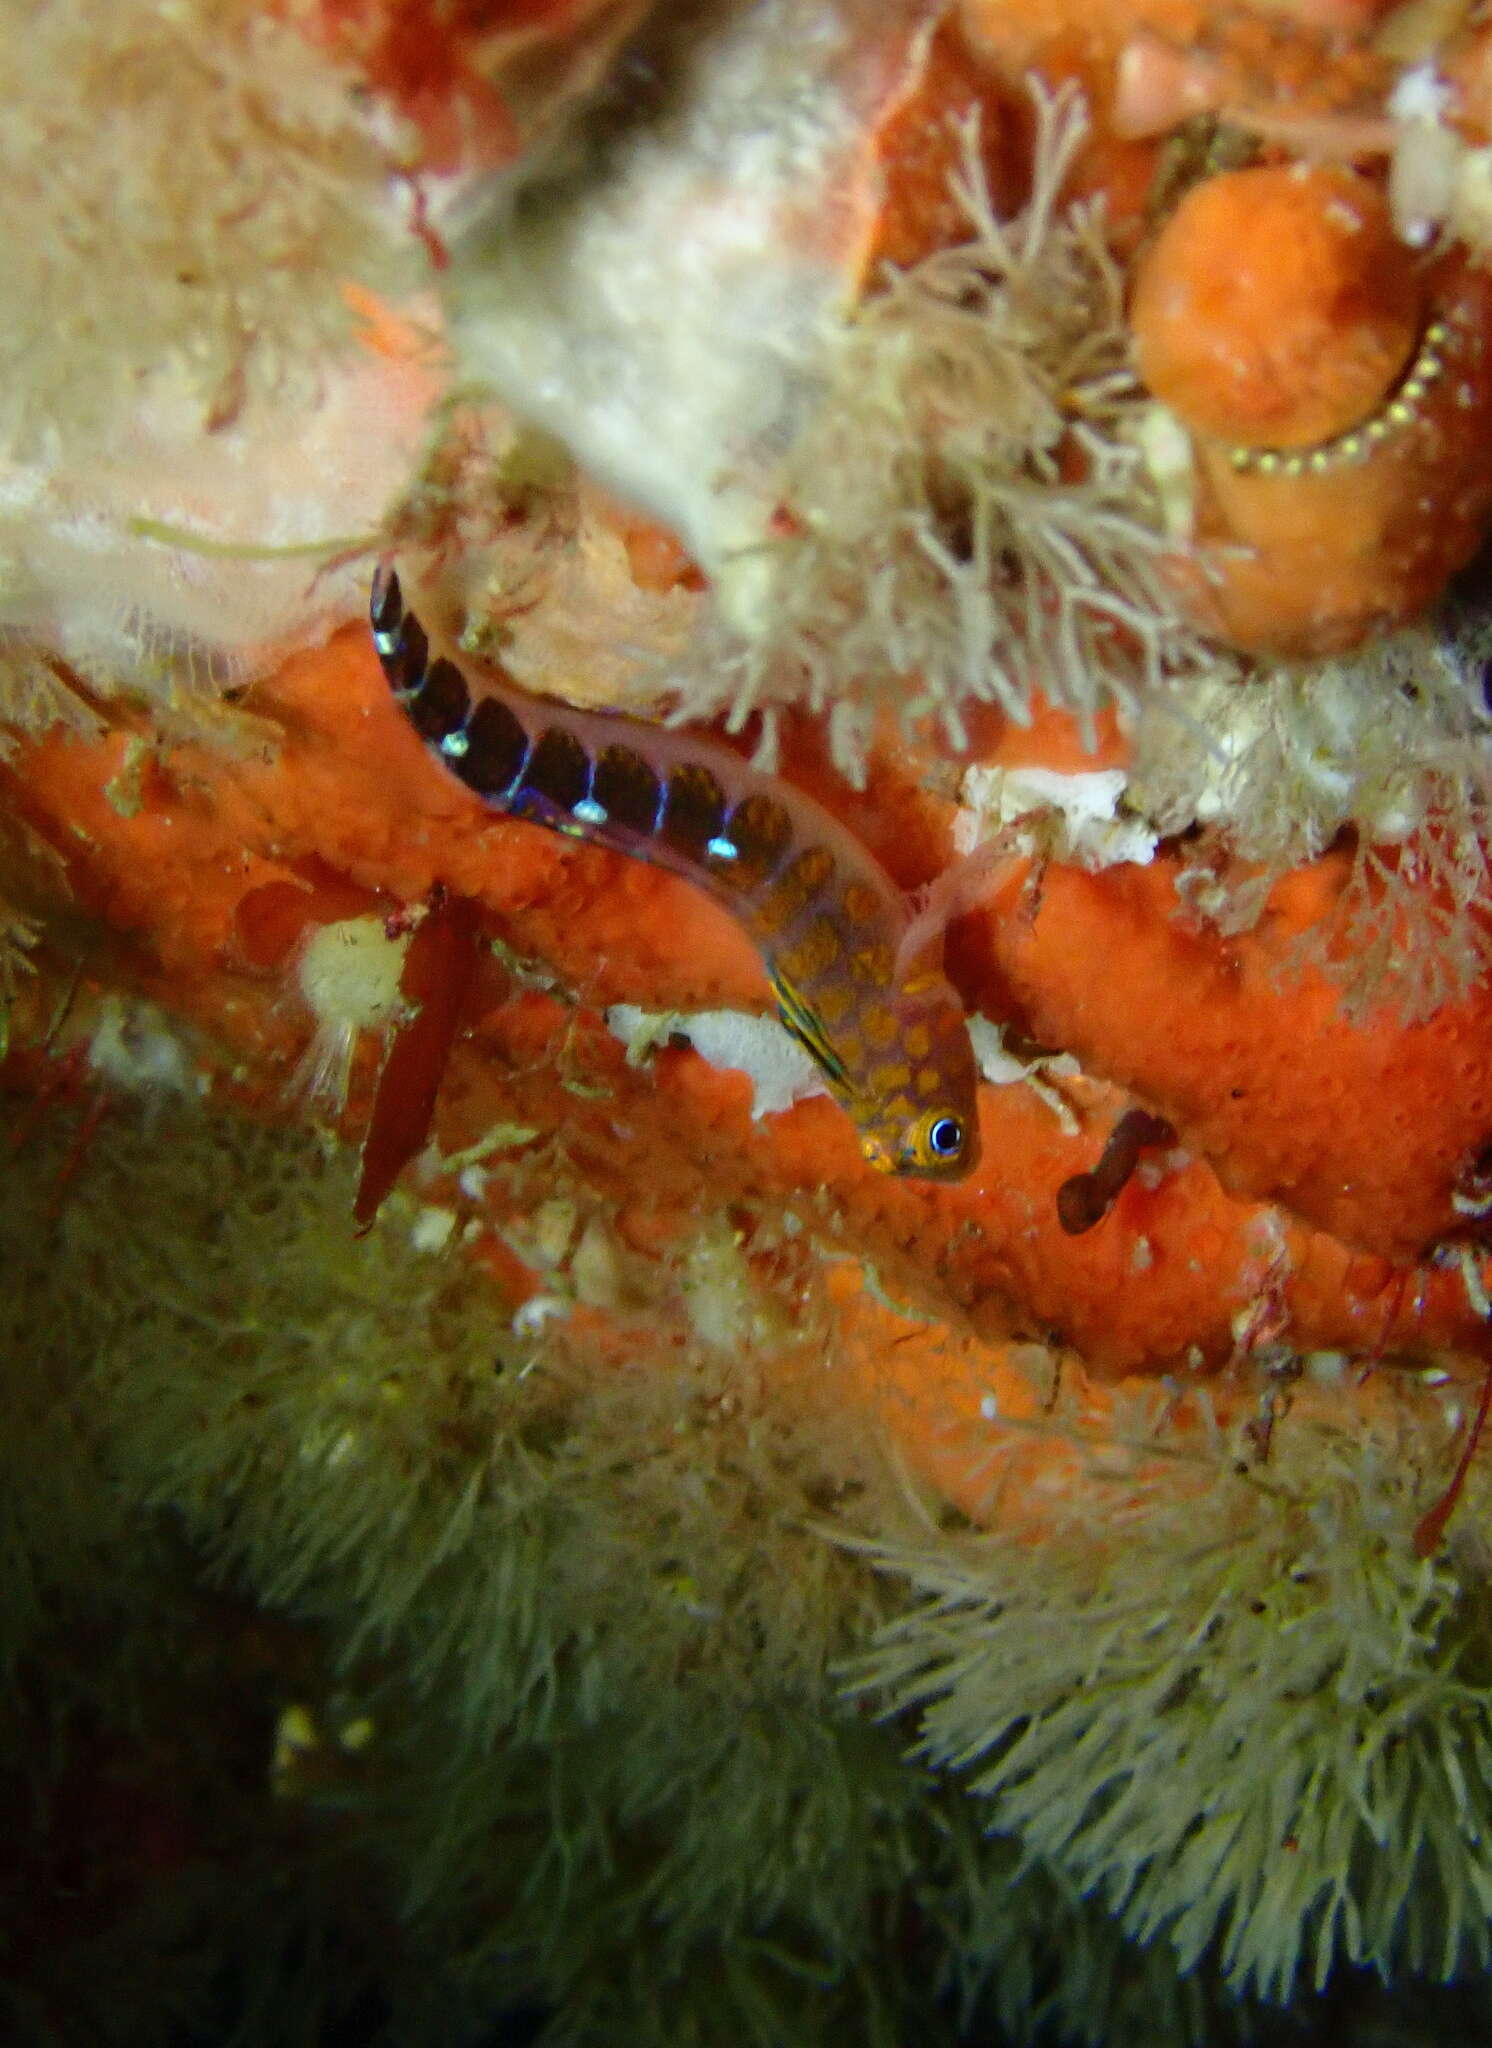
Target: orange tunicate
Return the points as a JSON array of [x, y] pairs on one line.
[[1276, 308], [1304, 554]]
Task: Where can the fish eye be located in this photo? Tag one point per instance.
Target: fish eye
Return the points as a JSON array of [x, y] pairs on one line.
[[944, 1137]]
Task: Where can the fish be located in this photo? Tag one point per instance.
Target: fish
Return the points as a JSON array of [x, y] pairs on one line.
[[887, 1031]]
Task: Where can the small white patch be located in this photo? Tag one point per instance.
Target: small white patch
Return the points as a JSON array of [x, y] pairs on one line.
[[386, 643], [780, 1071], [538, 1310], [722, 849], [1419, 94], [1006, 1070], [1326, 1368], [135, 1047], [596, 1269], [642, 1031], [989, 1408], [589, 812], [454, 745], [349, 974], [1165, 449], [1471, 217], [720, 1297], [432, 1228], [1429, 157], [1080, 812], [1470, 1261], [550, 1234]]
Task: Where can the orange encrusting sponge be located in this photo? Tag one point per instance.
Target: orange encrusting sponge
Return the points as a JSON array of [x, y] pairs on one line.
[[1356, 1136], [1360, 1128]]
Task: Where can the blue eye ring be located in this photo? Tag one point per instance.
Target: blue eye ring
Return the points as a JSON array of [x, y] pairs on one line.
[[945, 1137]]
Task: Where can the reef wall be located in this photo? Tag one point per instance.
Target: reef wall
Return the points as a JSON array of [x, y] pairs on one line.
[[518, 1518]]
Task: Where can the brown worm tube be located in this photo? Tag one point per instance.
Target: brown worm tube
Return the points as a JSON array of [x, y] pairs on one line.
[[1085, 1199]]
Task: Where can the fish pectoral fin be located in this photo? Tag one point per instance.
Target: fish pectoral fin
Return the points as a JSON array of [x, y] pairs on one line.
[[804, 1023]]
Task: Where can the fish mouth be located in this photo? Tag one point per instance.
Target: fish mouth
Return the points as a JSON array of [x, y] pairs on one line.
[[877, 1153], [887, 1158]]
